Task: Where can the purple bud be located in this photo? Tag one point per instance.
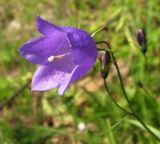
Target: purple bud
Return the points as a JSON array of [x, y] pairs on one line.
[[141, 39], [104, 58]]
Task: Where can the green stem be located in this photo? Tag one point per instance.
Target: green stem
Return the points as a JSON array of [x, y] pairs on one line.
[[125, 94], [114, 18], [114, 101], [128, 101], [146, 62], [17, 93]]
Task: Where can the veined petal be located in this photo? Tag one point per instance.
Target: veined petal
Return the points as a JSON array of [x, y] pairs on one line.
[[38, 50], [78, 72], [45, 27], [53, 75]]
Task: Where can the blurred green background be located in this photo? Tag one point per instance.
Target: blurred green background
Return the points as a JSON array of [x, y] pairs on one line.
[[85, 114]]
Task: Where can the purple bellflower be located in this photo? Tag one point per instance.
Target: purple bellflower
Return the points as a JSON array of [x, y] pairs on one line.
[[64, 54]]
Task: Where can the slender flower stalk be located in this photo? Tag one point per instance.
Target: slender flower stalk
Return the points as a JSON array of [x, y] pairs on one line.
[[114, 101], [125, 94]]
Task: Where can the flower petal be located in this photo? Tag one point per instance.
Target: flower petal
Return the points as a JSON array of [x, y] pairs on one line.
[[83, 45], [78, 72], [53, 75], [45, 27], [38, 50]]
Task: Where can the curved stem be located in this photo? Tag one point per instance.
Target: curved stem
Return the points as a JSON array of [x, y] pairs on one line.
[[125, 94], [107, 90]]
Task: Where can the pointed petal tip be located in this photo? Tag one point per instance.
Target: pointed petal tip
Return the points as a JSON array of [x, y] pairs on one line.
[[60, 92], [33, 89], [38, 89], [38, 17], [63, 88], [20, 50], [34, 86]]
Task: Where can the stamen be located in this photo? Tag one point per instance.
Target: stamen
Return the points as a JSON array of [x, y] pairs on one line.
[[51, 58]]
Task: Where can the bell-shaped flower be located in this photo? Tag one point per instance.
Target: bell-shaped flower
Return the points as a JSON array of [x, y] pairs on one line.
[[64, 54]]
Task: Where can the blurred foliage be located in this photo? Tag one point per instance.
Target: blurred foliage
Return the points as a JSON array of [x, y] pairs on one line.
[[45, 118]]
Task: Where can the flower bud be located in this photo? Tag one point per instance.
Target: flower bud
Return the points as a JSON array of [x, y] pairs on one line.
[[139, 84], [141, 39], [104, 58]]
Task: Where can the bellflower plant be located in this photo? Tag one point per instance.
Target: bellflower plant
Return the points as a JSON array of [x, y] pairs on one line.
[[64, 54]]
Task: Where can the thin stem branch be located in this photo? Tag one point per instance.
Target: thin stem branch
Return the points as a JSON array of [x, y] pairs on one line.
[[146, 62], [114, 101], [12, 97], [125, 94], [105, 25]]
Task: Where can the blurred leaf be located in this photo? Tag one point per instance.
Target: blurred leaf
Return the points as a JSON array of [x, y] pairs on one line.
[[136, 123]]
